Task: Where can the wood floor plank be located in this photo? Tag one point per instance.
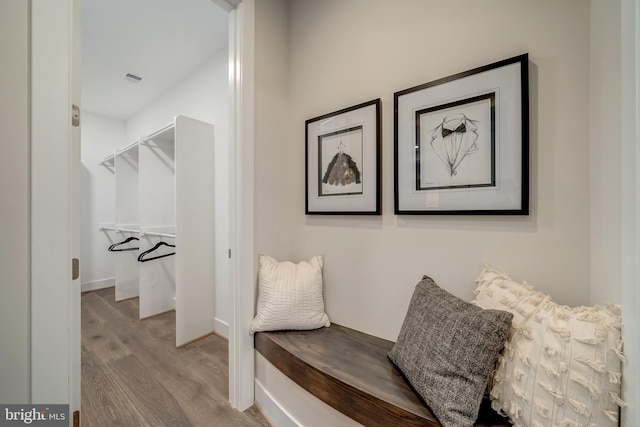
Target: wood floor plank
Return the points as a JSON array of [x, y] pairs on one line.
[[140, 372], [214, 346], [128, 308], [103, 403], [186, 380], [99, 337], [149, 396], [256, 415], [214, 373]]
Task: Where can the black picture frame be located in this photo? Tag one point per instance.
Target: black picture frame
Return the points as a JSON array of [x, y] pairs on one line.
[[343, 161], [461, 143]]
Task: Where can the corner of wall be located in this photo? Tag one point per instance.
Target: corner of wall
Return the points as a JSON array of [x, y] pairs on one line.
[[630, 218]]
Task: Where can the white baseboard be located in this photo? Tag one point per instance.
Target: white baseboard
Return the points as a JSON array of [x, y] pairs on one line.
[[289, 405], [98, 284], [221, 328], [272, 409]]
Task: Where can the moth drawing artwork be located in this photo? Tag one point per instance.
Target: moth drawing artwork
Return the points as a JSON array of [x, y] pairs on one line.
[[342, 169], [454, 139], [340, 159]]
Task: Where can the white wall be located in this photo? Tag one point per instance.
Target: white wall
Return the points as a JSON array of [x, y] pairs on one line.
[[630, 218], [605, 127], [14, 213], [275, 166], [202, 96], [343, 53], [100, 137]]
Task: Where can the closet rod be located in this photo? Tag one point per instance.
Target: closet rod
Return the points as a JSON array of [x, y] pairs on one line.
[[153, 135], [128, 147], [108, 159], [153, 233], [107, 227], [126, 230]]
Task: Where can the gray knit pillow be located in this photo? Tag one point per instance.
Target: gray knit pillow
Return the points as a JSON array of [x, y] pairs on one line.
[[447, 349]]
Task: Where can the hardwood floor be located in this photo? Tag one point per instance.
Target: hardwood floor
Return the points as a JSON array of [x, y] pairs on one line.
[[132, 374]]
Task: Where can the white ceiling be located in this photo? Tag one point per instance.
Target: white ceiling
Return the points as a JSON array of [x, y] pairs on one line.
[[162, 41]]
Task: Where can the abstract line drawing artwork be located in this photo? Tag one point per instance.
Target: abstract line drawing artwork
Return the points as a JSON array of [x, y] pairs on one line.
[[454, 139], [455, 144], [461, 142], [340, 154]]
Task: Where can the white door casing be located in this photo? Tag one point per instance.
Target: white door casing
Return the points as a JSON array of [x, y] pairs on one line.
[[75, 210], [242, 274], [55, 232]]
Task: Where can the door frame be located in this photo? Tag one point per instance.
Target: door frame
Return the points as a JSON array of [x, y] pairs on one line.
[[55, 320], [241, 160], [55, 228], [241, 242]]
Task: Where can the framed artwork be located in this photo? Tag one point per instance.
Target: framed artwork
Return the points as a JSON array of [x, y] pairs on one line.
[[342, 166], [461, 143]]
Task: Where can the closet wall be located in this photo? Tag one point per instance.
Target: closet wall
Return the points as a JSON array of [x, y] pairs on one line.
[[100, 135], [202, 96]]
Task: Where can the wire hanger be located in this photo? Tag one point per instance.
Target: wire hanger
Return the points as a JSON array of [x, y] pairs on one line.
[[112, 248], [141, 257]]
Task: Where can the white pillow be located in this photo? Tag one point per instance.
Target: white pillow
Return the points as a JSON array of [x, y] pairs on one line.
[[289, 295], [560, 365]]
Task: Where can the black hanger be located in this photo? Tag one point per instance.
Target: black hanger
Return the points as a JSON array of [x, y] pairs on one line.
[[141, 257], [112, 248]]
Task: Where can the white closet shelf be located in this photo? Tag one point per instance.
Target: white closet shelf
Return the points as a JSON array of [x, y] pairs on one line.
[[148, 184]]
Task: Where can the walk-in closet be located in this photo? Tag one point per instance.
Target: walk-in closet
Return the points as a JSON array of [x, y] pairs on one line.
[[155, 214], [163, 201]]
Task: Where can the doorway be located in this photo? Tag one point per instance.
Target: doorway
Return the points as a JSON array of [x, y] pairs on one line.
[[145, 62]]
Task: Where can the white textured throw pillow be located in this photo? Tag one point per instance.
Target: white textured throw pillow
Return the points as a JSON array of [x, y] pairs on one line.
[[560, 365], [289, 295]]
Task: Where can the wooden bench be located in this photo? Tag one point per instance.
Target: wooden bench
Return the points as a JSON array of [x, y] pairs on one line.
[[350, 371]]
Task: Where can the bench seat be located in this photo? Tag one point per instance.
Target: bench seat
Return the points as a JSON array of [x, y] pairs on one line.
[[349, 370]]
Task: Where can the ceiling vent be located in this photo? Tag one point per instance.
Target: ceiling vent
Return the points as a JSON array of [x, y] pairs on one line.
[[132, 78]]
